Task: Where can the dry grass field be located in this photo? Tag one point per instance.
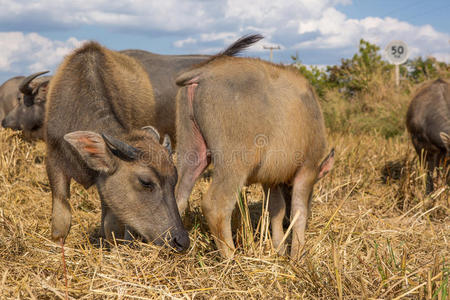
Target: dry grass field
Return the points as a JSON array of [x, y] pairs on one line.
[[373, 234]]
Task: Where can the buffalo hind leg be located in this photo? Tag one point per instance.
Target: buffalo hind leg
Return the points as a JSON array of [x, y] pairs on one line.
[[217, 206], [432, 160], [277, 211], [189, 171], [301, 196], [191, 149], [61, 211]]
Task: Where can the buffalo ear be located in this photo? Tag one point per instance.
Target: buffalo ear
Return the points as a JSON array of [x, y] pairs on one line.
[[93, 150], [152, 131], [167, 144], [326, 165], [42, 92]]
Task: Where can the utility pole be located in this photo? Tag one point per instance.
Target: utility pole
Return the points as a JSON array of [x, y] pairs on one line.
[[271, 48]]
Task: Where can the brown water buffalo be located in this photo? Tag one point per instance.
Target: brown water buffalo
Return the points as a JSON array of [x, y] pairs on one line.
[[9, 92], [256, 122], [99, 105], [29, 111], [163, 71], [428, 122]]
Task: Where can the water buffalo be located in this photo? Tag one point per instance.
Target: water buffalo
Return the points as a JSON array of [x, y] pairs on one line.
[[29, 112], [428, 122], [99, 105], [256, 122], [162, 71], [9, 92]]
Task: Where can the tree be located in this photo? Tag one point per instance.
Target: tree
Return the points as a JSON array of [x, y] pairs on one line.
[[317, 77], [354, 75]]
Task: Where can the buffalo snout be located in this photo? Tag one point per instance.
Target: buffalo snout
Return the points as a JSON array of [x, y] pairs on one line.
[[7, 123], [176, 239], [180, 242]]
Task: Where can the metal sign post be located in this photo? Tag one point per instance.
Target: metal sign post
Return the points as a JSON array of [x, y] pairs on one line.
[[397, 54]]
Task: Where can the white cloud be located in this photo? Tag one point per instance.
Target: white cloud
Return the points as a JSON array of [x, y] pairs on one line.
[[207, 26], [334, 30], [167, 15], [441, 56], [25, 53], [182, 43], [226, 37]]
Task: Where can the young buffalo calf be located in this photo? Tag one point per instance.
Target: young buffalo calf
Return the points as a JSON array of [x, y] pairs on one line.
[[99, 102], [256, 122]]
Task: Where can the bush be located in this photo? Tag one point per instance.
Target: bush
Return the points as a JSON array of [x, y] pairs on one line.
[[360, 96]]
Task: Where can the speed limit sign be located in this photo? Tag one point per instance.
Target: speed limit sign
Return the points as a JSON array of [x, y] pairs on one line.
[[397, 52]]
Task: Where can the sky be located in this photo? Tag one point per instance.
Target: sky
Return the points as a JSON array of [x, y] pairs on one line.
[[36, 35]]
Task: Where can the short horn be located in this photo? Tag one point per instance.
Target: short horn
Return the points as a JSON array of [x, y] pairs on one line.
[[24, 86], [120, 149], [167, 144]]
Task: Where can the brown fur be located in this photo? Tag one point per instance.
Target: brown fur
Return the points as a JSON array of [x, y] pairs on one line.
[[260, 123], [9, 91], [162, 71], [30, 119], [428, 120], [132, 100], [98, 91]]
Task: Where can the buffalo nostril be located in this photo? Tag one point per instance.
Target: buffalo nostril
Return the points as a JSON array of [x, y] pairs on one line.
[[4, 123], [181, 241]]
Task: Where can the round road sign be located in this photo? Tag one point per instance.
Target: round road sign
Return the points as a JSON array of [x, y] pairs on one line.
[[397, 52]]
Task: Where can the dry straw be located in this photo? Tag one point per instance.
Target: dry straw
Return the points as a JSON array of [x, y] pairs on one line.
[[368, 237]]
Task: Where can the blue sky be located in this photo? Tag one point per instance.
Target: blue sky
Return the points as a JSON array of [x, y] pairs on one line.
[[35, 35]]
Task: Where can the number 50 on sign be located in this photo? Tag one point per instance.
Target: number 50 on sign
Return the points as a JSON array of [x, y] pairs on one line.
[[397, 52]]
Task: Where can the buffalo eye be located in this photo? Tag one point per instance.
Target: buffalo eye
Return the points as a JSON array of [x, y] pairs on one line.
[[147, 183]]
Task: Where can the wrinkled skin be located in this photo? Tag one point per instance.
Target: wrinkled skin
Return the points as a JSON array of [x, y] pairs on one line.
[[96, 136], [30, 118], [428, 122]]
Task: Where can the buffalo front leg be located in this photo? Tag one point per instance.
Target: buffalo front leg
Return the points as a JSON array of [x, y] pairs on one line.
[[217, 206], [277, 211], [61, 211], [301, 196]]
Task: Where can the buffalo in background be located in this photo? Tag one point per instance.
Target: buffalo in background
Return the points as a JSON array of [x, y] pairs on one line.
[[28, 113], [428, 122]]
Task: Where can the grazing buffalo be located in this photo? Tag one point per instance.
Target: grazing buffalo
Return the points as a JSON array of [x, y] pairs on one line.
[[29, 113], [428, 122], [256, 122], [9, 92], [99, 105]]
